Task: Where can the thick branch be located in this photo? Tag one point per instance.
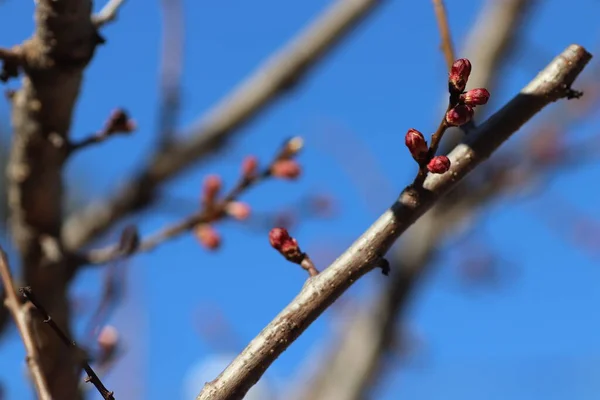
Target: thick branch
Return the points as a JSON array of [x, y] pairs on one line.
[[321, 291], [276, 77], [53, 62]]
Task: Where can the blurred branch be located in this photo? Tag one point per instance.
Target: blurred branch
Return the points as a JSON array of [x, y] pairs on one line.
[[276, 77], [170, 70], [108, 13], [18, 312], [369, 336], [366, 252], [442, 20]]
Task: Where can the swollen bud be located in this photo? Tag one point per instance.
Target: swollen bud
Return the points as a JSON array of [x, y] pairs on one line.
[[286, 169], [475, 97], [459, 75], [459, 115], [281, 241], [416, 143], [439, 165]]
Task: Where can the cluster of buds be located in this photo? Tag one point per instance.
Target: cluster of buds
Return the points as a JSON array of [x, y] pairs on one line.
[[417, 145], [215, 206], [287, 246], [465, 102]]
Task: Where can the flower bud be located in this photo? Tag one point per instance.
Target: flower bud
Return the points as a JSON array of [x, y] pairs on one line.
[[459, 75], [281, 241], [416, 144], [439, 165], [208, 236], [459, 115], [211, 188], [119, 122], [475, 97], [238, 210], [249, 167], [286, 169]]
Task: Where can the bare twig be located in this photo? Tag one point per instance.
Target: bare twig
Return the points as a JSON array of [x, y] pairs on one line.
[[274, 78], [322, 290], [444, 27], [118, 123], [108, 13], [92, 377], [18, 312]]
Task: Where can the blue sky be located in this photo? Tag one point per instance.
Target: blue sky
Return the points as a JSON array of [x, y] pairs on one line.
[[533, 337]]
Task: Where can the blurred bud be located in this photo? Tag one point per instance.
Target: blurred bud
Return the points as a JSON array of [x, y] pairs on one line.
[[439, 165], [249, 167], [238, 210], [208, 236], [415, 141], [211, 188], [459, 115], [291, 147], [475, 97], [119, 122], [286, 169], [108, 342], [281, 241], [459, 75]]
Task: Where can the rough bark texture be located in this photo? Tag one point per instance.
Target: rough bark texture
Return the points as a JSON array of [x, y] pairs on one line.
[[53, 62], [321, 291]]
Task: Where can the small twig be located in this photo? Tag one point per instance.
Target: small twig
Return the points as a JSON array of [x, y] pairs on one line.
[[92, 377], [12, 60], [442, 20], [212, 210], [14, 306], [118, 123], [108, 13], [288, 247]]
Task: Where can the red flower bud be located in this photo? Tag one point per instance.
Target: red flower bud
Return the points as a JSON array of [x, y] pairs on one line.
[[119, 122], [281, 241], [459, 115], [249, 167], [208, 236], [416, 144], [238, 210], [211, 188], [286, 169], [459, 75], [439, 165], [475, 97]]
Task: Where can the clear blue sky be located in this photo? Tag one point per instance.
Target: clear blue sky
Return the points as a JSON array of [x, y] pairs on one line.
[[534, 337]]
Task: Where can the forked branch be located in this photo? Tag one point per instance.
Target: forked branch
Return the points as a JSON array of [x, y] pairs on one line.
[[363, 255]]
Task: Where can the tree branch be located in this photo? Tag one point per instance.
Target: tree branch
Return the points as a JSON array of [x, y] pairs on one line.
[[18, 312], [363, 255], [108, 13], [279, 74]]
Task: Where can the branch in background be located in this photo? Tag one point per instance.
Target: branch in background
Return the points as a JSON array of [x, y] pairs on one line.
[[363, 255], [442, 20], [275, 77], [170, 71], [369, 336], [18, 312], [108, 13], [213, 209], [64, 337]]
